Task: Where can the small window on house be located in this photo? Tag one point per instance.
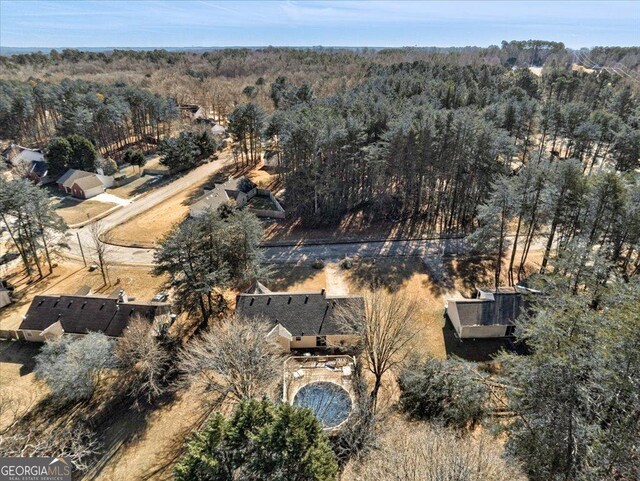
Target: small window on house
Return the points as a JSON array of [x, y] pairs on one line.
[[298, 338]]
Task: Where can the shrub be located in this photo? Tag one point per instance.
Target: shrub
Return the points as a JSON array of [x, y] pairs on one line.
[[444, 391], [259, 442], [72, 367]]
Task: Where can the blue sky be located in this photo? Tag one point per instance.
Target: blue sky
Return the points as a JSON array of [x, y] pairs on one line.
[[132, 23]]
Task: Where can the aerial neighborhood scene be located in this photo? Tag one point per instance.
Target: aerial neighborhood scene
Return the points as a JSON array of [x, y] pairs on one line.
[[319, 240]]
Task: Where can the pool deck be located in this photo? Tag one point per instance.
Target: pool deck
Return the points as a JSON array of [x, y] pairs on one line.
[[302, 370]]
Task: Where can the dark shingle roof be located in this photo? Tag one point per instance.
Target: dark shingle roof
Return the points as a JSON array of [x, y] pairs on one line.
[[502, 311], [308, 314], [81, 314], [39, 168]]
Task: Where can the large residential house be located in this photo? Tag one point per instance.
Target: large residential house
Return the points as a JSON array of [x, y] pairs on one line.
[[29, 162], [259, 201], [300, 320], [84, 185], [491, 314], [51, 316]]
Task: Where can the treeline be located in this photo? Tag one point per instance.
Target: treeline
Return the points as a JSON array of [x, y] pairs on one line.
[[513, 53], [111, 116], [30, 221], [73, 55], [426, 140], [591, 223]]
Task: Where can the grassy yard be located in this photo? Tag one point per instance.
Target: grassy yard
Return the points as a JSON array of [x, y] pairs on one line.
[[132, 189], [74, 212], [147, 228], [19, 391], [68, 278], [150, 226]]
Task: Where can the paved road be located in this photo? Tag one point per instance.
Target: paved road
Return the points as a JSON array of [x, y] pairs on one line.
[[281, 254]]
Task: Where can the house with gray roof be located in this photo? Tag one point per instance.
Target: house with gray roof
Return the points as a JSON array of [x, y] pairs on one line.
[[492, 313], [51, 316], [242, 193], [83, 184], [299, 320], [29, 162]]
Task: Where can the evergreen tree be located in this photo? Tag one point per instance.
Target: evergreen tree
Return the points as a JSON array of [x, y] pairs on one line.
[[58, 156], [205, 255], [259, 442], [83, 153], [576, 396]]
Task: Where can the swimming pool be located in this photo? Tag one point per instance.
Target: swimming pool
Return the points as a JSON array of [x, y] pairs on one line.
[[330, 402]]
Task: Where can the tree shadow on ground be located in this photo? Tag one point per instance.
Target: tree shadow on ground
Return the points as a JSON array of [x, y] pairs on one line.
[[282, 277], [476, 350], [472, 271], [441, 274], [20, 352], [391, 273], [354, 225]]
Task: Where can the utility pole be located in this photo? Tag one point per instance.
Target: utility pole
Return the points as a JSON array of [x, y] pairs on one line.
[[81, 249]]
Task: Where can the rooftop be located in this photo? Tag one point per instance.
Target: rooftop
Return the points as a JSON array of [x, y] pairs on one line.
[[80, 314], [300, 313]]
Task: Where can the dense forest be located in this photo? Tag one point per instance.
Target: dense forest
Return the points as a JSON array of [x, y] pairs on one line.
[[450, 139], [524, 147]]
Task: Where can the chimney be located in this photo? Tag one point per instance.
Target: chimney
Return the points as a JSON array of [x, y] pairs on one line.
[[122, 296], [322, 292]]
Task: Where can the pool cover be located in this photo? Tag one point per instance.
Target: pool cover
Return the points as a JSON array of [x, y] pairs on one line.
[[330, 403]]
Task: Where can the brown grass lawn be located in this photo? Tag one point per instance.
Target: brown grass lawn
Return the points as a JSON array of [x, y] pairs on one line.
[[154, 163], [18, 390], [408, 277], [132, 189], [156, 441], [150, 226], [68, 277], [74, 212], [301, 277]]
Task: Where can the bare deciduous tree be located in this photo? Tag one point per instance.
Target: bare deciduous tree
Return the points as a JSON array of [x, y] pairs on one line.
[[101, 249], [427, 453], [76, 442], [233, 358], [144, 359], [383, 331], [72, 368]]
